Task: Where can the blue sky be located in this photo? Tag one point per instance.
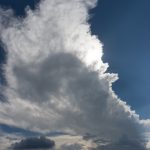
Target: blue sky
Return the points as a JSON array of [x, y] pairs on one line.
[[123, 27], [18, 6]]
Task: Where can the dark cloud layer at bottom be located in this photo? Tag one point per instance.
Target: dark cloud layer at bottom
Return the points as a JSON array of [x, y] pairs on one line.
[[34, 143]]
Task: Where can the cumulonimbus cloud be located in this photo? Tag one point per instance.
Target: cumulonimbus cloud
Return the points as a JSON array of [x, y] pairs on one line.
[[56, 79]]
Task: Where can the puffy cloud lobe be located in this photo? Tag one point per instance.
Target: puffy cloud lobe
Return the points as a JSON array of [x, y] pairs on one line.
[[56, 78]]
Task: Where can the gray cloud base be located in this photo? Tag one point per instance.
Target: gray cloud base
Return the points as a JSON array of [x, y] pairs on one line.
[[34, 143]]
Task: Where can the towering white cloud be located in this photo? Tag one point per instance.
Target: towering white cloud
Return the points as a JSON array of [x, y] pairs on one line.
[[55, 76]]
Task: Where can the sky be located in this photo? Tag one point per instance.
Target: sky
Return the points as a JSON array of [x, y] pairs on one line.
[[123, 27], [58, 61]]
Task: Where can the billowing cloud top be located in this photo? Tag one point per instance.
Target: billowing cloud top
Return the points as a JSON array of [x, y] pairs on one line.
[[55, 76]]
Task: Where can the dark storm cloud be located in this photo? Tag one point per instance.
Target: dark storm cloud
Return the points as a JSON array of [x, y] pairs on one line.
[[123, 144], [33, 143]]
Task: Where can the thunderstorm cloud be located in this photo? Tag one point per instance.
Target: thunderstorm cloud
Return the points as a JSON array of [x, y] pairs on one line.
[[56, 79]]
